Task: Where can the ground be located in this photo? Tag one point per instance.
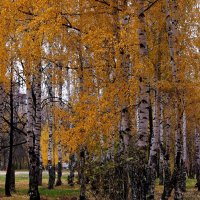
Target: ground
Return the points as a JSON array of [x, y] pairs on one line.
[[59, 193], [66, 192], [191, 194]]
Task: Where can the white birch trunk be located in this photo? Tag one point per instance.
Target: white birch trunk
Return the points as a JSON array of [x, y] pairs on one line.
[[29, 117], [168, 133], [141, 191], [171, 23], [33, 157], [51, 95], [38, 109], [156, 130], [154, 149], [38, 119], [185, 159], [144, 89], [137, 115], [59, 165], [61, 104], [161, 162]]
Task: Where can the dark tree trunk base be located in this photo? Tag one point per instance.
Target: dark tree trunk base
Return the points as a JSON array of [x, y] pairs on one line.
[[12, 179], [161, 178], [72, 166], [33, 175], [82, 198], [59, 181], [40, 177], [52, 177]]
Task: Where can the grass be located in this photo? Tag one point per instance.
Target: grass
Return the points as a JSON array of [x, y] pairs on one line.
[[191, 191], [66, 192], [22, 189]]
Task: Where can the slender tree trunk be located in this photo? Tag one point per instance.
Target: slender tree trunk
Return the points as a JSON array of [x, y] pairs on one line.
[[178, 159], [82, 150], [33, 157], [10, 159], [82, 175], [38, 120], [16, 89], [40, 170], [151, 172], [185, 160], [72, 157], [139, 187], [161, 161], [167, 172], [59, 166], [172, 29], [144, 88], [197, 154], [82, 62], [137, 114], [1, 120], [12, 179], [51, 166], [72, 165], [59, 181]]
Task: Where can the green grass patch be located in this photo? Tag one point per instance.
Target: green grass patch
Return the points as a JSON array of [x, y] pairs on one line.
[[22, 188], [67, 191]]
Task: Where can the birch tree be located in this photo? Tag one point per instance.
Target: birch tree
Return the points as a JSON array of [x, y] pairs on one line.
[[51, 95], [33, 157]]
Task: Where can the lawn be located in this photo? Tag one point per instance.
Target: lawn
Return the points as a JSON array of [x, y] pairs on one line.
[[66, 192], [190, 194], [58, 193]]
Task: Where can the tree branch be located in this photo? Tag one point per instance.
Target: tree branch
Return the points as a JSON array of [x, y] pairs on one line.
[[151, 4], [14, 145]]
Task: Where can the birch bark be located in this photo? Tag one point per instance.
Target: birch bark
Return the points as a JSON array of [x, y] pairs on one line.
[[59, 166], [38, 119], [51, 95], [161, 161], [185, 159], [1, 120], [172, 30], [33, 157]]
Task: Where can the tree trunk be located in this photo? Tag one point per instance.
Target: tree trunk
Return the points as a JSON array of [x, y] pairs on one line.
[[144, 89], [82, 175], [33, 175], [10, 159], [161, 160], [51, 166], [33, 157], [12, 179], [167, 172], [40, 171], [151, 171], [172, 23], [38, 120], [59, 181], [197, 154], [185, 160], [72, 165], [139, 184], [59, 165], [1, 120]]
